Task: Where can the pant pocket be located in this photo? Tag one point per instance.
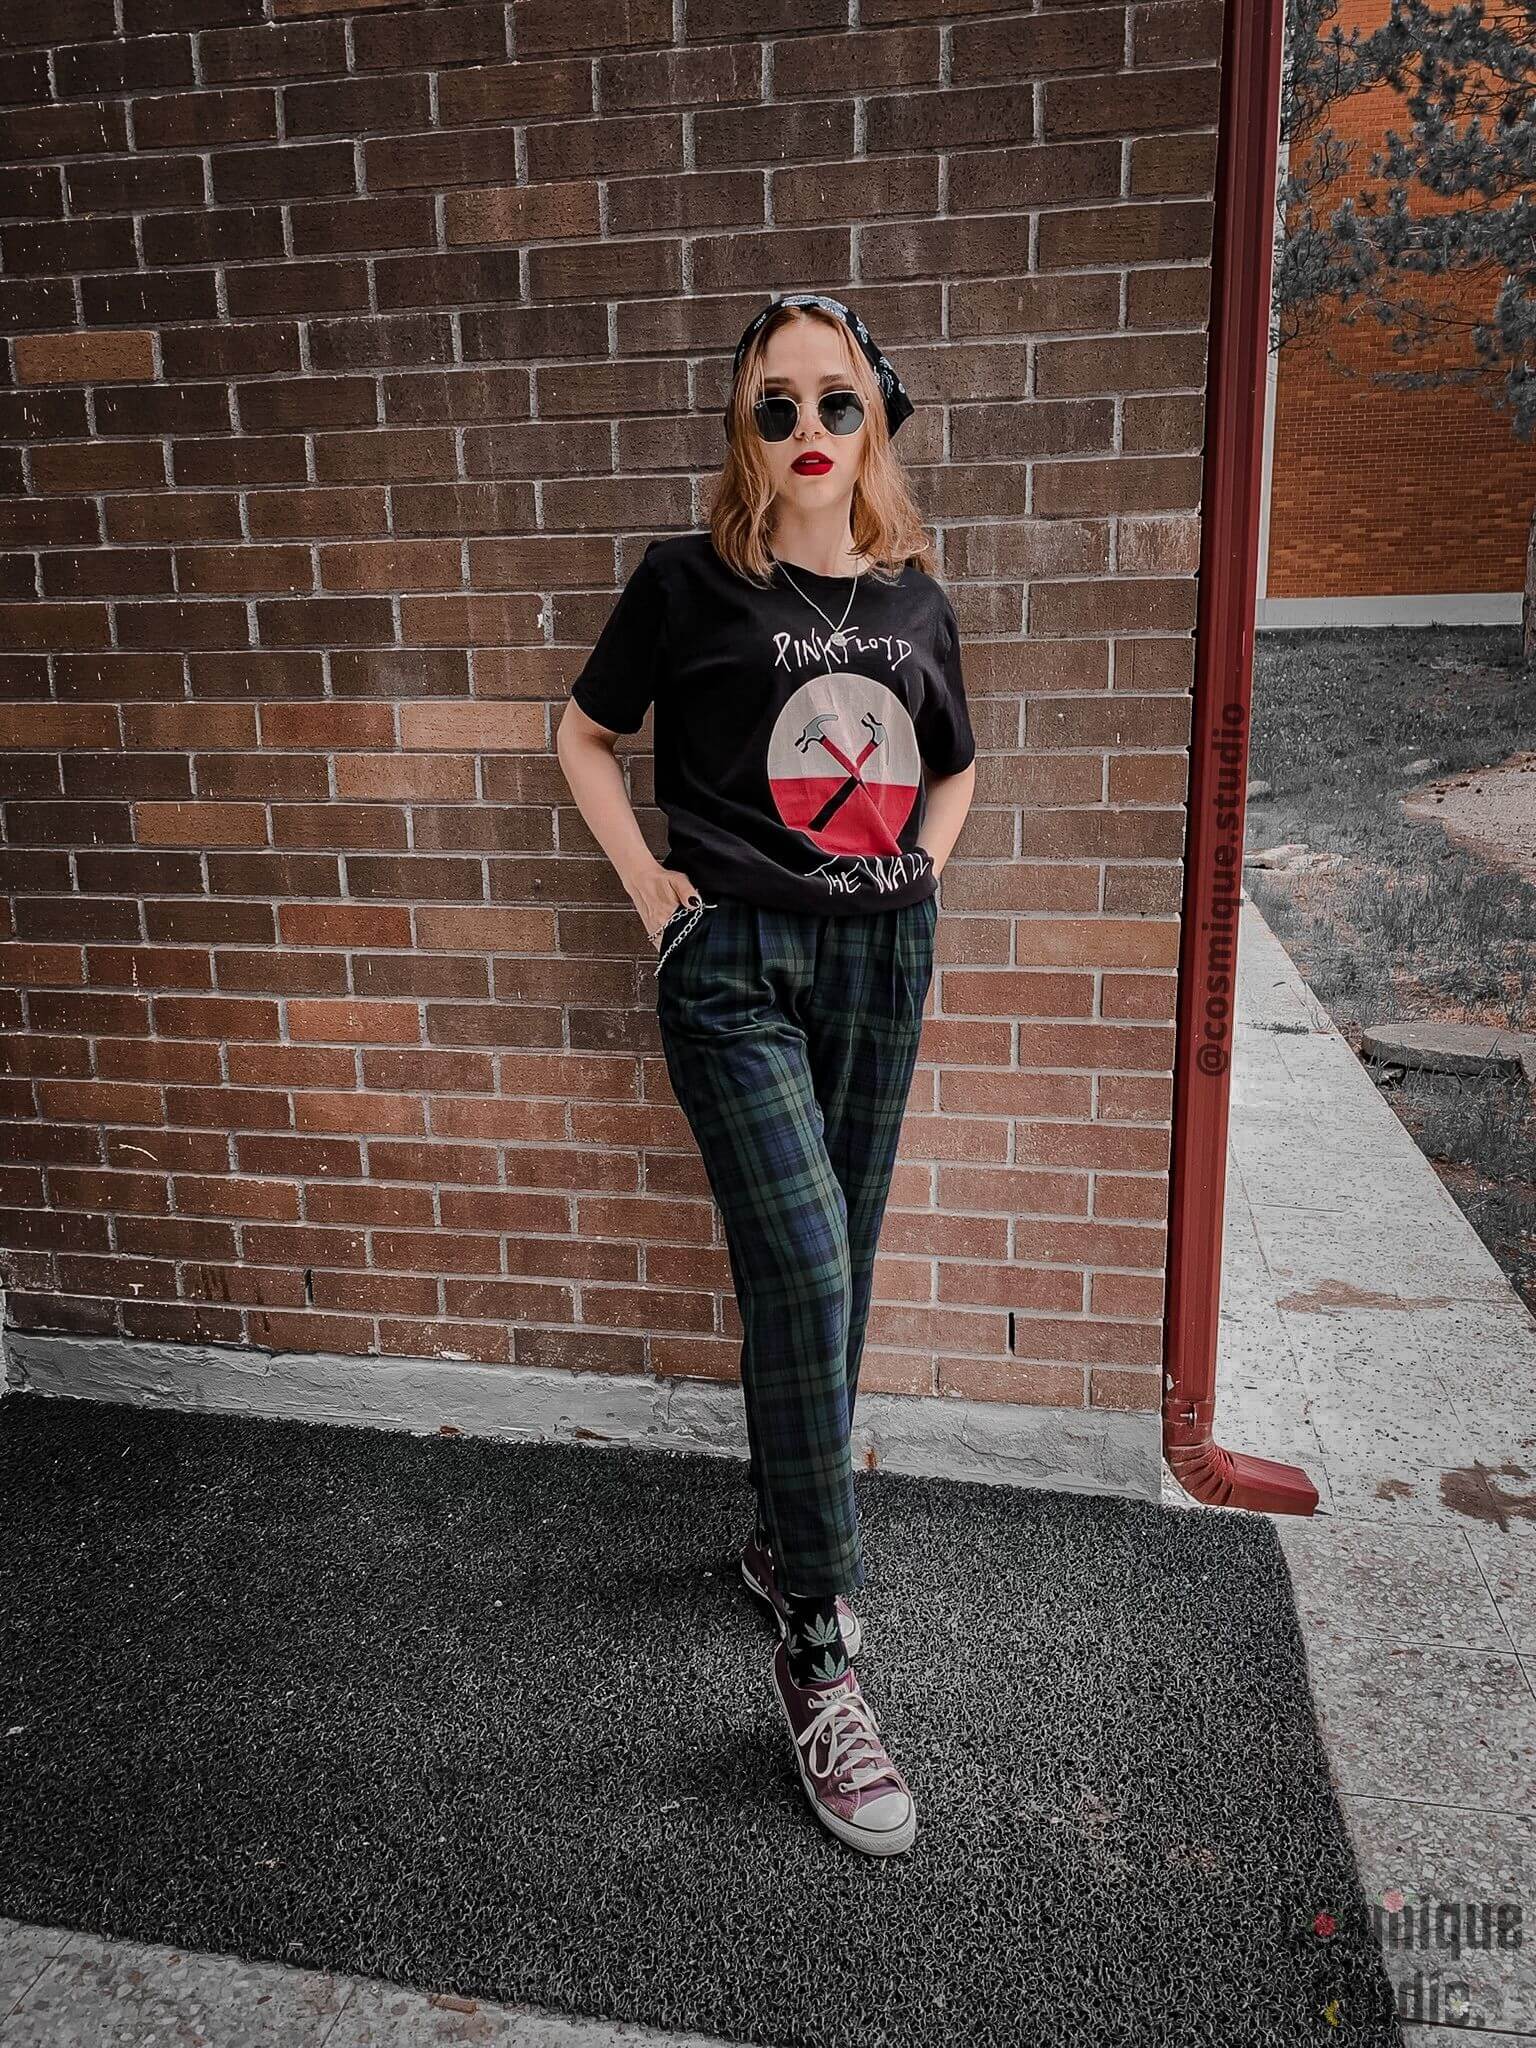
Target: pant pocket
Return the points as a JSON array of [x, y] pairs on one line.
[[683, 922], [923, 935]]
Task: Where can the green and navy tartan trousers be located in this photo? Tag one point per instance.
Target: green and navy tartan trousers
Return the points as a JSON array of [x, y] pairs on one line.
[[790, 1039]]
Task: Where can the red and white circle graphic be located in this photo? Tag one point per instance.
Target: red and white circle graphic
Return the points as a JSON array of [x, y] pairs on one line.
[[843, 764]]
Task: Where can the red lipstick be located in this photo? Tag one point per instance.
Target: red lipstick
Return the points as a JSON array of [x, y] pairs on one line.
[[812, 463]]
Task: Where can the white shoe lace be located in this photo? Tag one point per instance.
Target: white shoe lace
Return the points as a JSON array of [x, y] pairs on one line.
[[847, 1722]]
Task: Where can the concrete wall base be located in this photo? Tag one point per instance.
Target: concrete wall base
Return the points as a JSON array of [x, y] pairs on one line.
[[1083, 1450], [1447, 608]]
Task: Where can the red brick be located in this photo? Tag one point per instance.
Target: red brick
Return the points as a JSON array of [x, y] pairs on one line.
[[140, 1059], [486, 1343], [28, 966], [492, 1024], [87, 1275], [58, 725], [214, 1017], [303, 1244], [67, 824], [438, 1072], [370, 1204], [509, 1300], [228, 1109], [45, 1230], [497, 1119], [182, 1322], [292, 974], [288, 777], [377, 1293], [344, 924], [143, 1194], [477, 727], [361, 1112], [245, 1196], [444, 1165], [43, 1055], [415, 877], [175, 1237], [159, 967], [327, 725], [46, 1143], [77, 1314], [267, 875], [406, 778], [88, 1012], [300, 1330], [62, 918], [211, 924], [290, 1066], [495, 1209], [200, 824], [184, 726], [122, 1102], [520, 930], [320, 1157], [84, 358], [354, 1023], [22, 1185], [173, 1151], [245, 1284], [415, 974], [145, 872], [370, 826], [426, 1251]]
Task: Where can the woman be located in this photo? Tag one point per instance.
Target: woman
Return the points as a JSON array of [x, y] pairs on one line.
[[804, 664]]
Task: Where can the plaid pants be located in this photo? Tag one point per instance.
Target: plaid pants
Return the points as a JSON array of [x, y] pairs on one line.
[[790, 1039]]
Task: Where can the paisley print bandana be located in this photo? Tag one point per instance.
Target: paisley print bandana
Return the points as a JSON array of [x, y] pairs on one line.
[[898, 406]]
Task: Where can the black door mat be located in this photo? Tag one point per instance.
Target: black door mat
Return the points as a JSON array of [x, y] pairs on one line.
[[495, 1718]]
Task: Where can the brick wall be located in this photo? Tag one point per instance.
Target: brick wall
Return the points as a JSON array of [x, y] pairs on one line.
[[1377, 492], [352, 356]]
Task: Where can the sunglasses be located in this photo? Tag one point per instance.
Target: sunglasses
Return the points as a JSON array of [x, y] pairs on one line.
[[777, 415]]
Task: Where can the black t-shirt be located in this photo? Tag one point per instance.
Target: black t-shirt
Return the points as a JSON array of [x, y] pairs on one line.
[[790, 772]]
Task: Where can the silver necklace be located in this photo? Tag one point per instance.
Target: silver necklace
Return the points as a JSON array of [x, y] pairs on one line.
[[837, 639]]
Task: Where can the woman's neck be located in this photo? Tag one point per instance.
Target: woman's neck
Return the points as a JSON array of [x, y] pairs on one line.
[[824, 550]]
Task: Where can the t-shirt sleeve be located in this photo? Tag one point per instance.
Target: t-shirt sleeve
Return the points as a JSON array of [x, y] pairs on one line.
[[944, 736], [618, 680]]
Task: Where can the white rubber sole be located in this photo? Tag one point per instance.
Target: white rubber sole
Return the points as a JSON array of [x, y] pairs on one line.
[[853, 1639], [869, 1841]]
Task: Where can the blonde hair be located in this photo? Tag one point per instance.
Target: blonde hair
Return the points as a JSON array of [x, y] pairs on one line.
[[886, 526]]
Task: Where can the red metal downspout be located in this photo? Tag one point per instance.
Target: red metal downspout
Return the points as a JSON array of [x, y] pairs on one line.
[[1246, 157]]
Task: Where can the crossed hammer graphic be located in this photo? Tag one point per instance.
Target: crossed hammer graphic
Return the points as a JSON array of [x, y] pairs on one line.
[[814, 736]]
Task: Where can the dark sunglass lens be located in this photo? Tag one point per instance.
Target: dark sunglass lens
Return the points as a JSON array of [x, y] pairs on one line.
[[776, 418], [842, 412]]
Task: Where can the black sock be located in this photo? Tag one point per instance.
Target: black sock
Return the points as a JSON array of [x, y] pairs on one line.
[[814, 1643], [763, 1541]]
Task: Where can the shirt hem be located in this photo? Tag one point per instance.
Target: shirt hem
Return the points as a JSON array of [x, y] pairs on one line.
[[767, 895]]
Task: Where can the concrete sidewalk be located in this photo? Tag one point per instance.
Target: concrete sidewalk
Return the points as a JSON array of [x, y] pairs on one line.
[[1367, 1336]]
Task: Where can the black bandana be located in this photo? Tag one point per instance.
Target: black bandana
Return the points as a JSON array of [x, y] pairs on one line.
[[897, 404]]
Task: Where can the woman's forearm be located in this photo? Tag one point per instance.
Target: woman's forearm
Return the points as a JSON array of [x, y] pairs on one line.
[[597, 783], [948, 802]]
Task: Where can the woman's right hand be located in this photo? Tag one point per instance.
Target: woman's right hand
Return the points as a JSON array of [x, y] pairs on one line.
[[656, 896]]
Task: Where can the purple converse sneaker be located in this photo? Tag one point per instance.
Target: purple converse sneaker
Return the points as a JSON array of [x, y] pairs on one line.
[[854, 1788], [759, 1578]]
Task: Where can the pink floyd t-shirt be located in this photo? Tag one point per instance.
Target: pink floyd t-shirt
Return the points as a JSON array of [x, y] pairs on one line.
[[789, 767]]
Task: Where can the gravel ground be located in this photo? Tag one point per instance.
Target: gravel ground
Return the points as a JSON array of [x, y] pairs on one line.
[[1492, 812]]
